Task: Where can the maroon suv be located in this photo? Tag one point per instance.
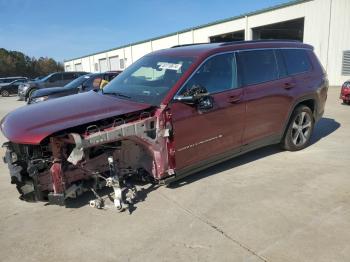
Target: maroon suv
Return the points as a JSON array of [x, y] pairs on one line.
[[170, 114]]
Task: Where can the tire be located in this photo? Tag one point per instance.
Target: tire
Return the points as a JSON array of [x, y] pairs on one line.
[[30, 93], [299, 130], [5, 93], [346, 102]]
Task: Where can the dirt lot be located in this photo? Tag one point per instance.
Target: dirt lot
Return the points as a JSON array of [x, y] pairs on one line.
[[268, 205]]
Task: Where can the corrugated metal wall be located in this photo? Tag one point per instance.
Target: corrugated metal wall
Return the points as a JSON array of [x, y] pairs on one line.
[[326, 27]]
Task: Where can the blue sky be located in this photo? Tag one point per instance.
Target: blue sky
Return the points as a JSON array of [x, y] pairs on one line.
[[64, 29]]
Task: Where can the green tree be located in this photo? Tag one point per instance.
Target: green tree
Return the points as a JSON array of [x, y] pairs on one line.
[[13, 63]]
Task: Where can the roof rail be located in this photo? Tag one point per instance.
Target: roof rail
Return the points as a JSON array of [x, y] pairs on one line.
[[175, 46], [260, 41], [240, 42]]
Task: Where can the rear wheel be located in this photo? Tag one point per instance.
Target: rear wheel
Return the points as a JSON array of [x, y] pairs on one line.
[[299, 130], [5, 93]]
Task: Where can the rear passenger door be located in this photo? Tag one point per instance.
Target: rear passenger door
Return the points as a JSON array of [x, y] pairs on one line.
[[267, 94]]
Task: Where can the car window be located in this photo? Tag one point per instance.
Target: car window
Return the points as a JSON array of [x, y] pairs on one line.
[[78, 82], [19, 81], [297, 61], [55, 78], [109, 77], [93, 83], [96, 83], [257, 66], [282, 70], [215, 75], [149, 79], [68, 76]]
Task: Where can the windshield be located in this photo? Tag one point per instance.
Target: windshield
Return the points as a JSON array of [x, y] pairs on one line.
[[44, 78], [149, 79], [77, 82]]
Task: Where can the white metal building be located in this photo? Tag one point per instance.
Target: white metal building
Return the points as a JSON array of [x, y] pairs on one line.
[[325, 24]]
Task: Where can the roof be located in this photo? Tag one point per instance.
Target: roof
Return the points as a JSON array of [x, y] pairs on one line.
[[291, 3], [196, 50]]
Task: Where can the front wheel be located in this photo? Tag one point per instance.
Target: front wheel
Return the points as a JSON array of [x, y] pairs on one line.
[[299, 130], [31, 92]]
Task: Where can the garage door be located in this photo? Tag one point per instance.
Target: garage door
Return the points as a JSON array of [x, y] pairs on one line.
[[103, 65], [78, 67], [114, 62]]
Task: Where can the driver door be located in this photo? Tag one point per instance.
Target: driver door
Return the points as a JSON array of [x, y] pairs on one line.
[[202, 135]]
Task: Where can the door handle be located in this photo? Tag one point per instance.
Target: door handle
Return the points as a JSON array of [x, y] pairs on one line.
[[288, 85], [234, 99]]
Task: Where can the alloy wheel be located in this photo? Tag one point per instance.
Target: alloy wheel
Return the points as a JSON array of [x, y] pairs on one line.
[[301, 129]]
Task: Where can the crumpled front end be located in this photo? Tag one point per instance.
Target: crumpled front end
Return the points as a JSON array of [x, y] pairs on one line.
[[111, 152]]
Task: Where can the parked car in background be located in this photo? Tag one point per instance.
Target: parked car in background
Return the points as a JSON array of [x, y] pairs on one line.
[[345, 92], [37, 78], [7, 80], [83, 83], [12, 87], [52, 80], [172, 113]]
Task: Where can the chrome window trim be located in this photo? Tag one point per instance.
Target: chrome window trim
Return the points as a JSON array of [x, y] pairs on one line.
[[244, 50]]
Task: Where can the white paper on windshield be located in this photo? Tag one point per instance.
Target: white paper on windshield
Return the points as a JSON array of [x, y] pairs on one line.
[[170, 66]]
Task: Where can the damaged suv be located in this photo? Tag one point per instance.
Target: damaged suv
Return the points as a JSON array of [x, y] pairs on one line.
[[170, 114]]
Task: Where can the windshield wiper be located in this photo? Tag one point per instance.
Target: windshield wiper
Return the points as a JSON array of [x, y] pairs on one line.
[[116, 94]]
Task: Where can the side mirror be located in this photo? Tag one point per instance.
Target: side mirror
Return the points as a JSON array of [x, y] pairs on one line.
[[205, 103], [196, 95], [185, 99]]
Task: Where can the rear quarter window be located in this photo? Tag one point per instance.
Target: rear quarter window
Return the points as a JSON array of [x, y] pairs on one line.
[[296, 60]]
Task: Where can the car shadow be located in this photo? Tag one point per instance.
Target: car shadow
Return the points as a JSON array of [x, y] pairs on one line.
[[323, 128], [106, 194]]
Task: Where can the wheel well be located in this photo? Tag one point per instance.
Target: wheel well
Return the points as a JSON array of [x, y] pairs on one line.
[[29, 91], [310, 103]]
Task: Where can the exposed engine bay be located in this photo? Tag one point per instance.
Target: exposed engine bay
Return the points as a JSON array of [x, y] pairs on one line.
[[107, 153]]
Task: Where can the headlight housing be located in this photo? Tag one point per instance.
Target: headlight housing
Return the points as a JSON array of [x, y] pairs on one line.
[[24, 87], [38, 99]]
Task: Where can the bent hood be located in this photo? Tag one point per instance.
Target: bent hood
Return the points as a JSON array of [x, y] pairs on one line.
[[31, 124]]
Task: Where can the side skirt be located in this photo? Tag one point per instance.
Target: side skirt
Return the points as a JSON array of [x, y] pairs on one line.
[[271, 140]]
